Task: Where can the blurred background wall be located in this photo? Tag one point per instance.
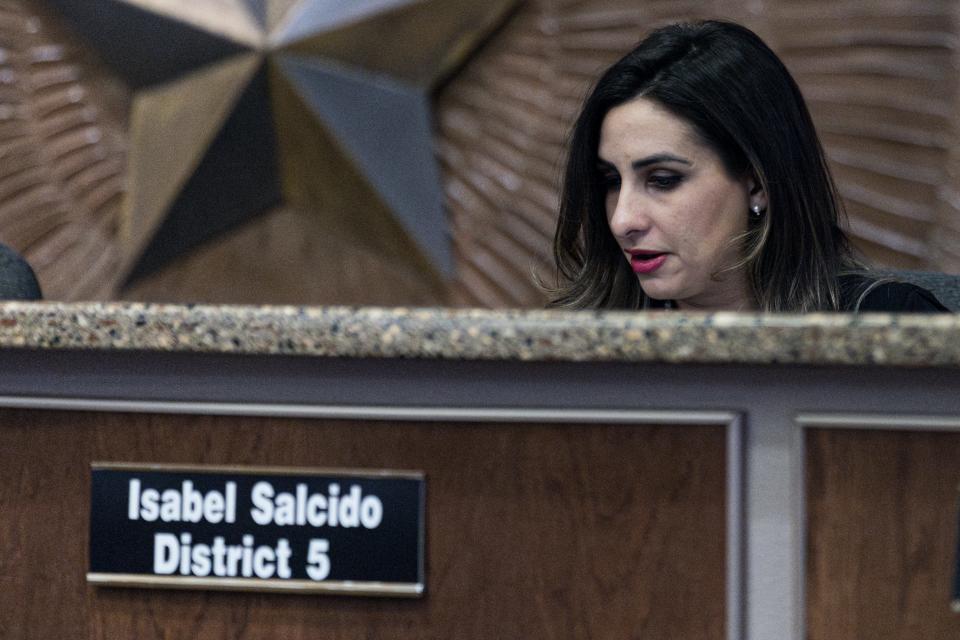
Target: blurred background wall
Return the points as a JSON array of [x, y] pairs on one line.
[[879, 77]]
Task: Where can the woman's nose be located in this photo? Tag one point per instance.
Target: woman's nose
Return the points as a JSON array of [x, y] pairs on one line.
[[628, 217]]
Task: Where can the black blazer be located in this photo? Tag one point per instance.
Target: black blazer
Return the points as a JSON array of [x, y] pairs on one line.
[[897, 297], [17, 280], [889, 296]]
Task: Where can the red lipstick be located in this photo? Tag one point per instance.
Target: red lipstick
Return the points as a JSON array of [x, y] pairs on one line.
[[643, 262]]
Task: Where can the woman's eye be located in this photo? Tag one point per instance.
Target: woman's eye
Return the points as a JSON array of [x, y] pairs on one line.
[[610, 181], [664, 182]]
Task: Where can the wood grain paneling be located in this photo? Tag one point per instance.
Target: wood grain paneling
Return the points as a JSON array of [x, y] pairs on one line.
[[882, 526], [534, 530]]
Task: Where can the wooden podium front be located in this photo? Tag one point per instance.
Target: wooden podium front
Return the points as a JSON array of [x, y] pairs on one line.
[[883, 511], [534, 529], [649, 476]]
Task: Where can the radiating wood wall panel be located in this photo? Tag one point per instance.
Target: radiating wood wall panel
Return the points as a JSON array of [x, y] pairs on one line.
[[879, 77], [500, 146], [61, 160], [945, 241]]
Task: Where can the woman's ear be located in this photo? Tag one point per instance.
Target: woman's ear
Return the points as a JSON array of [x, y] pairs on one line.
[[758, 196]]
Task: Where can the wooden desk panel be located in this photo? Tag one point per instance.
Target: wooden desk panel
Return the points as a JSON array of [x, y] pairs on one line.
[[533, 530], [882, 534]]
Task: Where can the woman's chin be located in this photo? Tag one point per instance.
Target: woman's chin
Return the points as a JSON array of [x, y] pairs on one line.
[[661, 290]]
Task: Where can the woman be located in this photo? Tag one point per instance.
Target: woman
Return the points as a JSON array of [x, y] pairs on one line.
[[696, 181]]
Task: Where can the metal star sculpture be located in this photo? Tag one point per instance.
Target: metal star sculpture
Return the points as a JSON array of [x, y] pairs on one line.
[[240, 105]]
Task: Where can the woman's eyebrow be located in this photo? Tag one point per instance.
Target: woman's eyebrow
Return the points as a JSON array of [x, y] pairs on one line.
[[656, 158]]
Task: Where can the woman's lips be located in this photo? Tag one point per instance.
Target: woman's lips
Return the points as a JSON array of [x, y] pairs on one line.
[[646, 262]]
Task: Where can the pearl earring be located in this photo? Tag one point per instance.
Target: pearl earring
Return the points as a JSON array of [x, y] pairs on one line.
[[756, 210]]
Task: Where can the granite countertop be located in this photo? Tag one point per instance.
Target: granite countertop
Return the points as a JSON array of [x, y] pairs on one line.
[[370, 332]]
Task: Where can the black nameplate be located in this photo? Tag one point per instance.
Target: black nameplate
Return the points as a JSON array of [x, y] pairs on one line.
[[320, 531]]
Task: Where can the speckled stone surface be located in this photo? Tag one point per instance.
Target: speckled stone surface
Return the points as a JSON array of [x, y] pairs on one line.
[[830, 339]]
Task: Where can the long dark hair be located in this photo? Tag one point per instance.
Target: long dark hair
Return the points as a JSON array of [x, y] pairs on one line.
[[742, 102]]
